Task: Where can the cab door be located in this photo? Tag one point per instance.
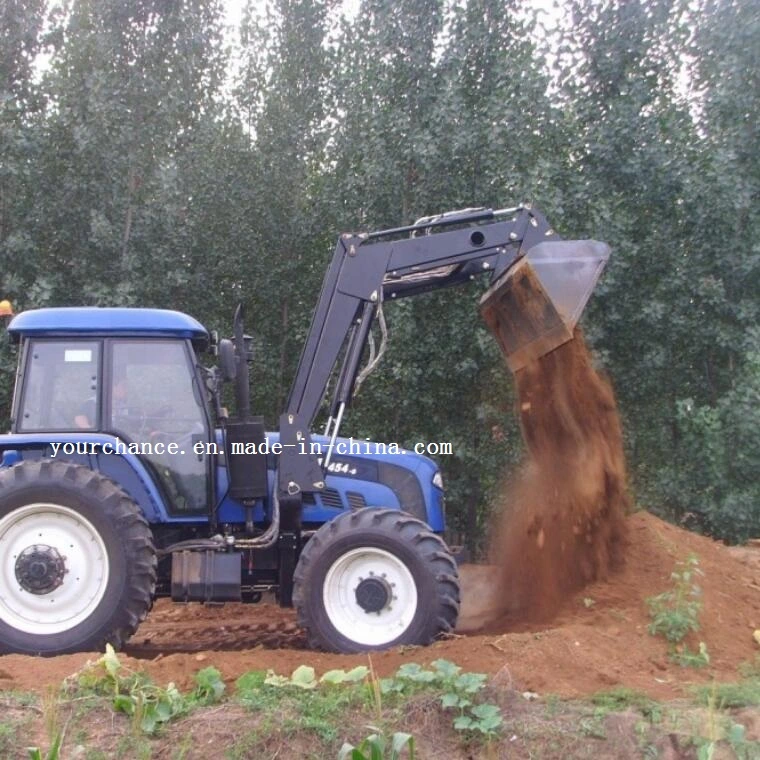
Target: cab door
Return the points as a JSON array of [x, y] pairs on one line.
[[152, 395]]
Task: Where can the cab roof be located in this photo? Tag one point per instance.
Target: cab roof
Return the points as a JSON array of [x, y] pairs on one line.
[[100, 321]]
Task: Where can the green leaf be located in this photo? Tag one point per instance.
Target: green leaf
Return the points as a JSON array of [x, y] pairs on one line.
[[333, 677], [209, 685], [388, 685], [470, 682], [409, 670], [706, 751], [446, 669], [736, 734], [359, 673], [124, 703], [111, 662], [55, 747], [272, 679], [304, 677], [148, 721], [162, 710], [349, 752], [488, 716], [485, 711], [376, 744], [251, 681], [398, 742]]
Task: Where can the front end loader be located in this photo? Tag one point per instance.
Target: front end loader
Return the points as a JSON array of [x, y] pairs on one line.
[[123, 477]]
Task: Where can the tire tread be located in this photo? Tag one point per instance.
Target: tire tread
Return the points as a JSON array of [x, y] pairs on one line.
[[412, 531]]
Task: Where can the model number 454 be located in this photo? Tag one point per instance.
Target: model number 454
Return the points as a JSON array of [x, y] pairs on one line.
[[341, 468]]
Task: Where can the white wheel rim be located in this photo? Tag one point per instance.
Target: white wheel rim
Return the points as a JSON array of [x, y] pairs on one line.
[[86, 568], [343, 609]]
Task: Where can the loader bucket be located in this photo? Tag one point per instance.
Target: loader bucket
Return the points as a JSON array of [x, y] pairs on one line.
[[533, 307]]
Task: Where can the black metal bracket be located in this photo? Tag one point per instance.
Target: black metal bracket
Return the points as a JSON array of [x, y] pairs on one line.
[[365, 270], [287, 547]]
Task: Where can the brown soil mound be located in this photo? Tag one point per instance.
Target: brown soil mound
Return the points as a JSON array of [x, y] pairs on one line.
[[598, 640], [562, 523]]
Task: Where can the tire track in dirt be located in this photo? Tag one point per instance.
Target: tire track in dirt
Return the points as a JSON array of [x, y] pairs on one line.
[[172, 628]]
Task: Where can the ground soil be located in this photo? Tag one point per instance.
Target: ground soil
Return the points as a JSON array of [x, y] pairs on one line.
[[598, 639]]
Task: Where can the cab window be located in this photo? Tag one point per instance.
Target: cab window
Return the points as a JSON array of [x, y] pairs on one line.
[[151, 397], [60, 386]]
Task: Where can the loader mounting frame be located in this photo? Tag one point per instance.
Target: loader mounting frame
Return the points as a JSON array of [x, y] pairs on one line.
[[367, 269]]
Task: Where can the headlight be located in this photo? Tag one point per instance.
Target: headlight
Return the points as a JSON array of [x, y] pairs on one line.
[[438, 480]]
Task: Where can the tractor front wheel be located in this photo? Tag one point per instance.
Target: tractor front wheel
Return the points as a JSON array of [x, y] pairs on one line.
[[373, 579], [77, 562]]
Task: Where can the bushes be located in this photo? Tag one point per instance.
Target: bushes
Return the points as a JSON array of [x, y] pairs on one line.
[[713, 483]]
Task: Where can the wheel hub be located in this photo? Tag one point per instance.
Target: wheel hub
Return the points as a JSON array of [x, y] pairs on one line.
[[40, 569], [373, 594]]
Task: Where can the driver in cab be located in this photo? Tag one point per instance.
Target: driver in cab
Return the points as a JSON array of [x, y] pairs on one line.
[[85, 420], [123, 416]]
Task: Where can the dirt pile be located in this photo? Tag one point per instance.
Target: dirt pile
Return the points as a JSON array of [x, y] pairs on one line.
[[562, 522]]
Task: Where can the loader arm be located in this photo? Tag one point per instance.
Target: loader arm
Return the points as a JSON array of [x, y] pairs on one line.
[[367, 269]]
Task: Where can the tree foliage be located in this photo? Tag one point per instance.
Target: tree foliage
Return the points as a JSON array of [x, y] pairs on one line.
[[142, 164]]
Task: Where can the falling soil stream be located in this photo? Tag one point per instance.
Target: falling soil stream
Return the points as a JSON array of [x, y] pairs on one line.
[[561, 521]]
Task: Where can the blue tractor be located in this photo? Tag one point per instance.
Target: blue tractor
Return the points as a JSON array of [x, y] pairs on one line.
[[124, 478]]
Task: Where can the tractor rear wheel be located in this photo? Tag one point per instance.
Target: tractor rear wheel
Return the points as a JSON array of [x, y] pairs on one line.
[[77, 562], [373, 579]]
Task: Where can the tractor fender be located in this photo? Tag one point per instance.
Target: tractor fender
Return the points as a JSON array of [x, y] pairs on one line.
[[126, 469]]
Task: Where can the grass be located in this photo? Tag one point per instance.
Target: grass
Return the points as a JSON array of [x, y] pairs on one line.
[[315, 713], [620, 699], [750, 669], [8, 738], [730, 695], [675, 614]]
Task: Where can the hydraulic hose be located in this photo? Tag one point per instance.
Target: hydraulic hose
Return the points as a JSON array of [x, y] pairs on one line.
[[266, 539]]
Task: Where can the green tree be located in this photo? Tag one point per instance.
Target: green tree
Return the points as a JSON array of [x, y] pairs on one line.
[[20, 105], [628, 182], [713, 484], [441, 108], [281, 96], [653, 152], [128, 85], [384, 92], [20, 102]]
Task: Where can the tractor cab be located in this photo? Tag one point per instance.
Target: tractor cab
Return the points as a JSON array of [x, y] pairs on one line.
[[132, 374]]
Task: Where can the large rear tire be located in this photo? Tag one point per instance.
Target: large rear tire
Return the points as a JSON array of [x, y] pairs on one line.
[[77, 561], [374, 579]]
